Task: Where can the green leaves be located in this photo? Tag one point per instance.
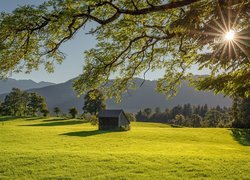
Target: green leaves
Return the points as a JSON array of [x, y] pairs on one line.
[[134, 37]]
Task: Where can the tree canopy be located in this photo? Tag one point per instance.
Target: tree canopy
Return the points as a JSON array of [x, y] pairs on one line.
[[94, 102], [134, 37]]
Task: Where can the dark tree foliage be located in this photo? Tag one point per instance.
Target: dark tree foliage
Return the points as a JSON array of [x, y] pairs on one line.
[[195, 120], [191, 116], [73, 112], [57, 111], [94, 102], [1, 109], [212, 118], [45, 112], [187, 110], [241, 110], [176, 110], [130, 116], [36, 103], [147, 112], [21, 103]]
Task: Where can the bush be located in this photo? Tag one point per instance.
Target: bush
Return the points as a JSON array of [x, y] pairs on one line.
[[125, 128], [90, 118], [130, 116]]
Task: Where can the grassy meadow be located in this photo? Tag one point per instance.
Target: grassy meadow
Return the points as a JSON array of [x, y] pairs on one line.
[[54, 148]]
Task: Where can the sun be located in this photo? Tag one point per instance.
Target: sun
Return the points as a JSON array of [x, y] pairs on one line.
[[229, 36]]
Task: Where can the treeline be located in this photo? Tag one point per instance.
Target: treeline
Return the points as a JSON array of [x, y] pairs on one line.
[[21, 103], [188, 115]]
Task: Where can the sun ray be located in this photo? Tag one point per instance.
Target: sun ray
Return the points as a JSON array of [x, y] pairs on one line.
[[241, 48], [234, 49], [222, 17], [223, 51], [229, 15], [243, 37], [230, 50], [221, 30], [236, 17], [242, 42], [218, 49]]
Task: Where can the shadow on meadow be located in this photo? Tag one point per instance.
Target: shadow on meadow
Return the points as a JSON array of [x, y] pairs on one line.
[[57, 122], [34, 118], [87, 133], [9, 118], [242, 136]]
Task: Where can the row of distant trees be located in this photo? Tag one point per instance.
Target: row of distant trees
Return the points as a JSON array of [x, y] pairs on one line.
[[21, 103], [72, 111], [201, 116]]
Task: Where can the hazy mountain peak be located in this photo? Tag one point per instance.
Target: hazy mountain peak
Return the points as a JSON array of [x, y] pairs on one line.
[[7, 84]]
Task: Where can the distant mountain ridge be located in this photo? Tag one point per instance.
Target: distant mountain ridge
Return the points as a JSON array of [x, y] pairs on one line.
[[8, 84], [63, 96]]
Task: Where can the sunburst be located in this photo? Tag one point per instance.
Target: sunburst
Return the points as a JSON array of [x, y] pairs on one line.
[[228, 36]]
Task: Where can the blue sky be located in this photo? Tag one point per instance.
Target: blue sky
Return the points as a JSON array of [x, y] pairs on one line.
[[73, 64]]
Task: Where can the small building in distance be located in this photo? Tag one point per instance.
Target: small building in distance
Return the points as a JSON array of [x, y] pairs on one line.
[[114, 119]]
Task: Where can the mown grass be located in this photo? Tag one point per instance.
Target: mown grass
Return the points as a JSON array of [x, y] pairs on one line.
[[71, 149]]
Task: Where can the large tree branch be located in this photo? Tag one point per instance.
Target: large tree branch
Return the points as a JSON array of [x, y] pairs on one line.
[[136, 11]]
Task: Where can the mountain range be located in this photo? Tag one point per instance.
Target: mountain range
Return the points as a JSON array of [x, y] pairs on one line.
[[63, 96], [8, 84]]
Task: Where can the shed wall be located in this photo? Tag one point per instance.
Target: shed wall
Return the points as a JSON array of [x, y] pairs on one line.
[[123, 120]]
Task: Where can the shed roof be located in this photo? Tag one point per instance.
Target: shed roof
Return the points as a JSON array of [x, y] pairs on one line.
[[110, 113]]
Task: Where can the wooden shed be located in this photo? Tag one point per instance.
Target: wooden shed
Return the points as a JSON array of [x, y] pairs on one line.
[[113, 119]]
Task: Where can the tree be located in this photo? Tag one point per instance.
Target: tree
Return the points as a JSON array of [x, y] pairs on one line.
[[130, 116], [15, 103], [157, 110], [196, 120], [147, 112], [176, 110], [45, 112], [73, 112], [140, 116], [1, 109], [36, 103], [241, 113], [21, 103], [57, 110], [212, 118], [134, 37], [187, 110], [179, 119], [94, 102]]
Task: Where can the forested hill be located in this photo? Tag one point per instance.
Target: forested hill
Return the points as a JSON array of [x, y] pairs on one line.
[[7, 85], [63, 96]]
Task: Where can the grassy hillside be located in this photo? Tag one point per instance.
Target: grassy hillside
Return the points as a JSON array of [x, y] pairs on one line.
[[65, 149]]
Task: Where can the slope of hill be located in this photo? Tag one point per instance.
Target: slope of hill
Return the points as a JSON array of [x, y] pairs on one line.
[[71, 149], [63, 96], [8, 84]]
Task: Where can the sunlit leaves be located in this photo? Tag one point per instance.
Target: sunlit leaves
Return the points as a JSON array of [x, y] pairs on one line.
[[130, 44]]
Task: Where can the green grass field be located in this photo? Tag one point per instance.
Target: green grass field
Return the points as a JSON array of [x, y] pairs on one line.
[[69, 149]]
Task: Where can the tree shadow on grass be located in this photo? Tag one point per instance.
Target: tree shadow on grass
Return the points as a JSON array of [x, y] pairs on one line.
[[242, 136], [9, 118], [87, 133], [58, 123], [55, 120], [34, 118]]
